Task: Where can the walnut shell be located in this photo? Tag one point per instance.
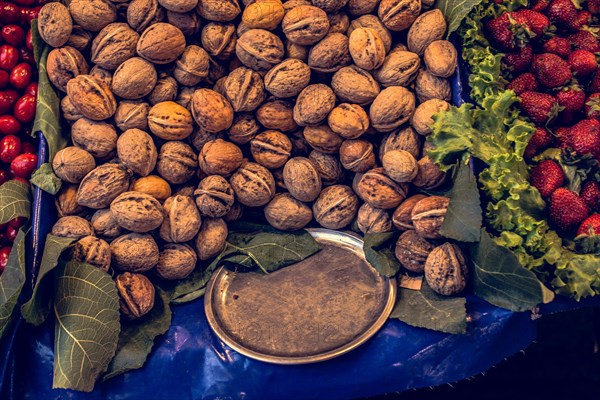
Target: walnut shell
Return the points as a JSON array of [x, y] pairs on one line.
[[313, 104], [335, 207], [235, 213], [132, 115], [105, 226], [422, 119], [137, 212], [243, 129], [412, 251], [400, 165], [92, 15], [177, 162], [305, 25], [134, 252], [136, 295], [219, 157], [338, 22], [92, 98], [188, 23], [179, 6], [182, 220], [373, 220], [330, 6], [134, 79], [102, 185], [296, 51], [380, 191], [102, 74], [323, 139], [219, 10], [354, 85], [373, 22], [264, 14], [137, 151], [152, 185], [286, 213], [430, 176], [64, 64], [161, 43], [357, 155], [214, 196], [143, 13], [427, 28], [192, 66], [302, 179], [71, 164], [166, 89], [66, 201], [97, 138], [55, 24], [399, 68], [93, 251], [402, 139], [288, 78], [271, 149], [441, 58], [330, 54], [349, 121], [253, 184], [362, 7], [366, 48], [184, 97], [113, 45], [428, 216], [72, 227], [398, 15], [211, 239], [69, 112], [259, 49], [211, 110], [392, 108], [244, 89], [446, 269], [277, 115], [200, 137], [328, 166], [429, 86], [219, 39], [176, 261], [170, 121], [402, 215], [80, 39]]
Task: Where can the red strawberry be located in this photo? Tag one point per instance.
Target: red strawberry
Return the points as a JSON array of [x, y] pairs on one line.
[[572, 99], [540, 5], [540, 140], [584, 17], [590, 226], [546, 177], [582, 62], [536, 21], [592, 106], [523, 83], [593, 6], [551, 70], [584, 137], [595, 82], [566, 210], [562, 135], [540, 107], [585, 40], [520, 60], [509, 31], [590, 193], [564, 14], [557, 45]]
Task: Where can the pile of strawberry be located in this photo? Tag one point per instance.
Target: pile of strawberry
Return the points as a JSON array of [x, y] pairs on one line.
[[551, 60]]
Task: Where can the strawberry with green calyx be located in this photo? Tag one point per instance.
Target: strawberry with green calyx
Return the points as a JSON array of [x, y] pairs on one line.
[[564, 14], [523, 83], [585, 40], [557, 45], [590, 226], [540, 140], [519, 60], [584, 137], [509, 32], [590, 193], [571, 99], [567, 210], [551, 70], [582, 63], [592, 106], [546, 177], [537, 22], [541, 108]]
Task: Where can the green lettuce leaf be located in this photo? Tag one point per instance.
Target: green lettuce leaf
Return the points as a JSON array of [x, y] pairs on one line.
[[379, 253], [455, 11], [12, 281]]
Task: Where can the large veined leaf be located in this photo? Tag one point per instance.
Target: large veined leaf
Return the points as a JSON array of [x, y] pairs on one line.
[[12, 281], [86, 307], [455, 11], [15, 201], [45, 178], [377, 248]]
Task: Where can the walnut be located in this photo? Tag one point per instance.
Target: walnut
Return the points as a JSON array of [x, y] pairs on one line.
[[134, 252], [200, 137], [64, 64], [399, 68], [97, 138], [335, 207], [412, 251], [402, 215], [211, 110], [302, 179], [373, 22], [211, 239], [184, 97], [398, 15], [441, 58], [373, 220], [113, 45], [166, 89], [55, 24], [93, 251], [446, 269], [176, 261], [72, 227], [80, 39], [192, 66], [357, 155], [219, 39], [161, 43], [136, 295], [219, 10], [392, 108], [102, 185], [105, 226], [92, 15], [362, 7], [402, 139], [330, 54], [132, 115], [177, 162], [134, 79], [330, 6], [102, 74], [66, 201], [214, 196], [219, 157], [354, 85], [182, 219], [253, 184], [305, 25], [92, 98], [429, 86], [137, 212], [288, 78], [286, 213], [137, 151], [179, 6], [400, 165], [427, 28], [244, 89], [152, 185], [349, 121], [366, 48], [422, 119], [296, 51], [188, 23], [277, 115], [328, 166], [71, 164], [338, 22], [264, 14], [69, 112], [428, 216], [244, 128], [323, 139], [143, 13], [291, 4], [259, 49], [271, 149], [313, 104], [170, 121], [430, 176], [235, 213], [380, 191]]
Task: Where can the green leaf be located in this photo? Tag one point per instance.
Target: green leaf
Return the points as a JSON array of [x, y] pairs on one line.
[[377, 248], [45, 178], [15, 201], [499, 278], [47, 117], [181, 291], [86, 306], [455, 11], [12, 281], [190, 296], [464, 216], [426, 309], [137, 338], [36, 310]]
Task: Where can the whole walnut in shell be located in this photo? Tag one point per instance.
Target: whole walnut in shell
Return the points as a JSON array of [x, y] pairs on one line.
[[313, 104], [373, 220], [328, 166], [161, 43], [102, 74], [152, 185], [93, 251], [143, 13], [302, 179], [277, 115], [177, 162], [182, 220], [244, 89], [137, 212], [323, 139], [305, 25], [170, 121], [354, 85], [71, 164], [64, 64], [132, 114], [288, 78], [402, 139], [79, 39], [286, 213], [114, 45], [55, 24], [105, 226], [428, 216], [219, 10], [398, 15], [366, 48], [427, 28], [362, 7], [192, 66], [219, 39], [102, 185], [219, 157], [166, 89], [357, 155], [253, 185], [441, 58], [338, 22], [402, 215], [211, 110], [446, 269], [429, 86], [400, 165], [92, 97], [69, 112], [176, 261], [330, 54], [244, 129], [330, 6], [373, 22], [92, 15], [188, 23], [259, 49], [422, 119], [271, 149], [137, 151], [335, 207], [66, 201], [412, 251], [430, 176], [136, 295], [399, 68], [264, 14], [134, 252], [392, 108], [97, 138], [380, 191], [349, 121], [211, 239], [214, 196], [179, 6], [134, 79], [72, 227]]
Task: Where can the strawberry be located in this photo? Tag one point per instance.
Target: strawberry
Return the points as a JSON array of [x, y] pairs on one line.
[[592, 106], [562, 135], [595, 82], [551, 70], [582, 62], [585, 40], [593, 6], [572, 99], [557, 45], [546, 177], [523, 83], [540, 5], [509, 31], [520, 60], [567, 210], [540, 140], [584, 17], [540, 107], [584, 137], [564, 14], [590, 226], [590, 193], [537, 22]]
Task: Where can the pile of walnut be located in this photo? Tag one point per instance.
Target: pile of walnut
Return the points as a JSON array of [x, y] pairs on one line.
[[184, 112]]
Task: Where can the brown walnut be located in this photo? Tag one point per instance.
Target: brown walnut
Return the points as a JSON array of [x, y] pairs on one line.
[[245, 90], [259, 49], [288, 78], [335, 207], [170, 121], [428, 216], [446, 269], [182, 220], [277, 115], [72, 227], [219, 157], [132, 114], [176, 261], [55, 24], [212, 238], [302, 179], [313, 104], [92, 15], [152, 185], [412, 251], [136, 295], [102, 185], [286, 213], [271, 149], [253, 185], [105, 226], [330, 54], [65, 64], [134, 79], [113, 45], [71, 164], [137, 151], [134, 252], [305, 25], [91, 97], [402, 215], [380, 191], [214, 196], [211, 110], [192, 66], [97, 138], [354, 85], [373, 220], [357, 155], [93, 251], [177, 162], [137, 212], [349, 121], [161, 43]]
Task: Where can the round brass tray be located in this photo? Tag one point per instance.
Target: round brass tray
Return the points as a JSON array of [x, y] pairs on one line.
[[315, 310]]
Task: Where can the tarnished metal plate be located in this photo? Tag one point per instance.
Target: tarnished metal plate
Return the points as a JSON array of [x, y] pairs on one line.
[[312, 311]]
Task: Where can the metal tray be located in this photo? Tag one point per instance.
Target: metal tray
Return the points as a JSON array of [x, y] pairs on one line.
[[314, 310]]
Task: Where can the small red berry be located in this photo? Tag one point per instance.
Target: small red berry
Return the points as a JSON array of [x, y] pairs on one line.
[[23, 165]]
